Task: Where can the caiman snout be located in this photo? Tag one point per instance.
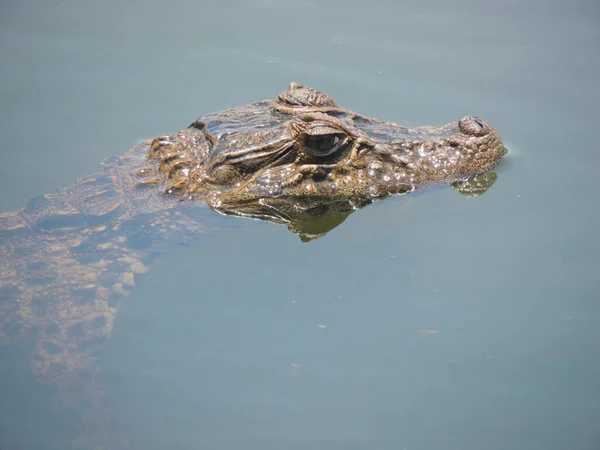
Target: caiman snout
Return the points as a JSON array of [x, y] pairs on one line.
[[473, 126]]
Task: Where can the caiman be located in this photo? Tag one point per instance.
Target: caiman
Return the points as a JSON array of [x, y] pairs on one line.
[[68, 257]]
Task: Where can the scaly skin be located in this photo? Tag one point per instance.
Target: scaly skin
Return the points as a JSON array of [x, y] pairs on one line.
[[68, 258], [264, 150]]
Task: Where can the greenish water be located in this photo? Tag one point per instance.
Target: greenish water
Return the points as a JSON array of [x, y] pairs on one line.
[[425, 322]]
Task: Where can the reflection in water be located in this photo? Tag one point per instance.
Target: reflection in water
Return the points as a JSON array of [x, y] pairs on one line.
[[68, 258], [311, 218]]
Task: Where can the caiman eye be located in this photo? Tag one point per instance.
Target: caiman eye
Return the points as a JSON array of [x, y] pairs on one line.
[[324, 144]]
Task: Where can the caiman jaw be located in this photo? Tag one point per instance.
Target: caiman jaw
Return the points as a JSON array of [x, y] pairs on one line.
[[305, 145], [399, 162], [466, 148]]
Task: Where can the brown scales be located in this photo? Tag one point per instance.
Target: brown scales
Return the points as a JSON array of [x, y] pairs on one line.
[[67, 258]]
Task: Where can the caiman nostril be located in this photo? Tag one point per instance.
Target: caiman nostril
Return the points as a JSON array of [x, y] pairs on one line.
[[473, 126]]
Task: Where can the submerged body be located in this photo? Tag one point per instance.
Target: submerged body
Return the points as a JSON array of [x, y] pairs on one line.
[[67, 258]]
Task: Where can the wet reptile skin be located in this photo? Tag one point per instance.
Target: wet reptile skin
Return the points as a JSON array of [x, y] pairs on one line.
[[68, 258], [304, 145]]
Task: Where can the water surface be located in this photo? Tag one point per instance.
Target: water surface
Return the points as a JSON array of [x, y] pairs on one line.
[[430, 321]]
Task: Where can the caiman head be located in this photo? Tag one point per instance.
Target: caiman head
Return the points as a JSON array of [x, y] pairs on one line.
[[303, 145]]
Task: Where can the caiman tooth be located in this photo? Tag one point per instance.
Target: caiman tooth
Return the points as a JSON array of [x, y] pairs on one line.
[[161, 144]]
